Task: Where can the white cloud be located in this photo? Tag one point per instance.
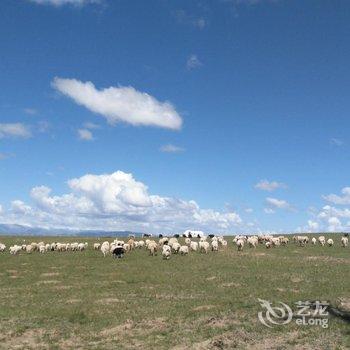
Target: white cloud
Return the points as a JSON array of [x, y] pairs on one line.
[[278, 203], [114, 202], [193, 62], [58, 3], [17, 130], [249, 210], [85, 135], [334, 224], [169, 148], [269, 211], [20, 207], [313, 225], [121, 104], [270, 186], [342, 200]]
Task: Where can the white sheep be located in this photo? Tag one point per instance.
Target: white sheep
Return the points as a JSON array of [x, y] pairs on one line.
[[29, 248], [152, 248], [322, 240], [275, 241], [188, 241], [214, 246], [252, 241], [268, 245], [42, 249], [15, 249], [184, 250], [344, 241], [82, 246], [204, 247], [194, 246], [176, 247], [74, 246], [97, 246], [163, 240], [166, 252], [2, 247], [313, 240], [172, 240], [240, 244], [104, 248], [330, 242]]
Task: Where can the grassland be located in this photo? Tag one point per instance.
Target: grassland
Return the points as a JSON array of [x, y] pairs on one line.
[[84, 301]]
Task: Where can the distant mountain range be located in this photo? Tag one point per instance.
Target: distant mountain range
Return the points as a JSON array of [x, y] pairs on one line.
[[21, 230]]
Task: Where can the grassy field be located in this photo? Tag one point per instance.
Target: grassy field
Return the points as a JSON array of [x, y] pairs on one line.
[[80, 300]]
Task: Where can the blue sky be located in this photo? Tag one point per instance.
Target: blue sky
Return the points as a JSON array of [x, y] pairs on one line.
[[223, 115]]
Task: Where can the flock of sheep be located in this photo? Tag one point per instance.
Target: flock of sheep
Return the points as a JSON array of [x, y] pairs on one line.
[[168, 246], [272, 241], [41, 247]]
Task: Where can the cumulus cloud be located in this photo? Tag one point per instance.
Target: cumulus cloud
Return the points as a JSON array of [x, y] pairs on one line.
[[344, 199], [270, 186], [85, 135], [278, 203], [329, 218], [115, 202], [15, 130], [120, 104], [193, 62], [334, 224], [58, 3], [169, 148], [269, 211]]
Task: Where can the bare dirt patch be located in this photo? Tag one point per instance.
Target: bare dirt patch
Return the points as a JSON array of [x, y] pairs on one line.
[[330, 259], [30, 339]]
